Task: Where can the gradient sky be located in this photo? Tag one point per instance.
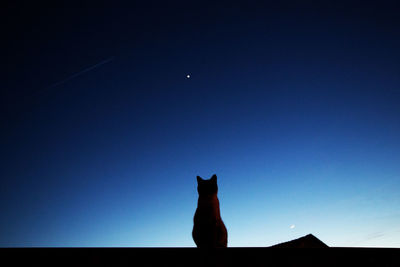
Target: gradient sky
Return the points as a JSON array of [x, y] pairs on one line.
[[296, 108]]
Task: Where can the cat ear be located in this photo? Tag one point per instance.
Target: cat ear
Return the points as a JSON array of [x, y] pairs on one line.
[[214, 178], [199, 179]]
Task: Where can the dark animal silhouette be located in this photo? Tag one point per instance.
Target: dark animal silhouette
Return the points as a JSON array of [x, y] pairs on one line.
[[209, 230]]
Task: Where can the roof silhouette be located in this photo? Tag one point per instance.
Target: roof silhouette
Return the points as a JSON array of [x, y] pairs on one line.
[[308, 241]]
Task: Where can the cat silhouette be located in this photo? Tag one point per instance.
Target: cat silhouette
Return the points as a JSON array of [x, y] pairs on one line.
[[209, 230]]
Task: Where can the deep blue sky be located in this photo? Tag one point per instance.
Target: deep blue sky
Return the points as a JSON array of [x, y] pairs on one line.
[[295, 107]]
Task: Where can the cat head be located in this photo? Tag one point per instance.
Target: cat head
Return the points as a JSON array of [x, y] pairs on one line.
[[207, 187]]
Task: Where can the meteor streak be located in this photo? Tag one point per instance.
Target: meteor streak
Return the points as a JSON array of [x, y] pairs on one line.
[[80, 73]]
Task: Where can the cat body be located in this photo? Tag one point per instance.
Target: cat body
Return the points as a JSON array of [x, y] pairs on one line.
[[209, 230]]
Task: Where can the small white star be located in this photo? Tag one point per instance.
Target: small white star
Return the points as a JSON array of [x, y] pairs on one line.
[[188, 76]]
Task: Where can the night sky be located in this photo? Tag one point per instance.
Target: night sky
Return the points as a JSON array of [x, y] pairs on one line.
[[295, 107]]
